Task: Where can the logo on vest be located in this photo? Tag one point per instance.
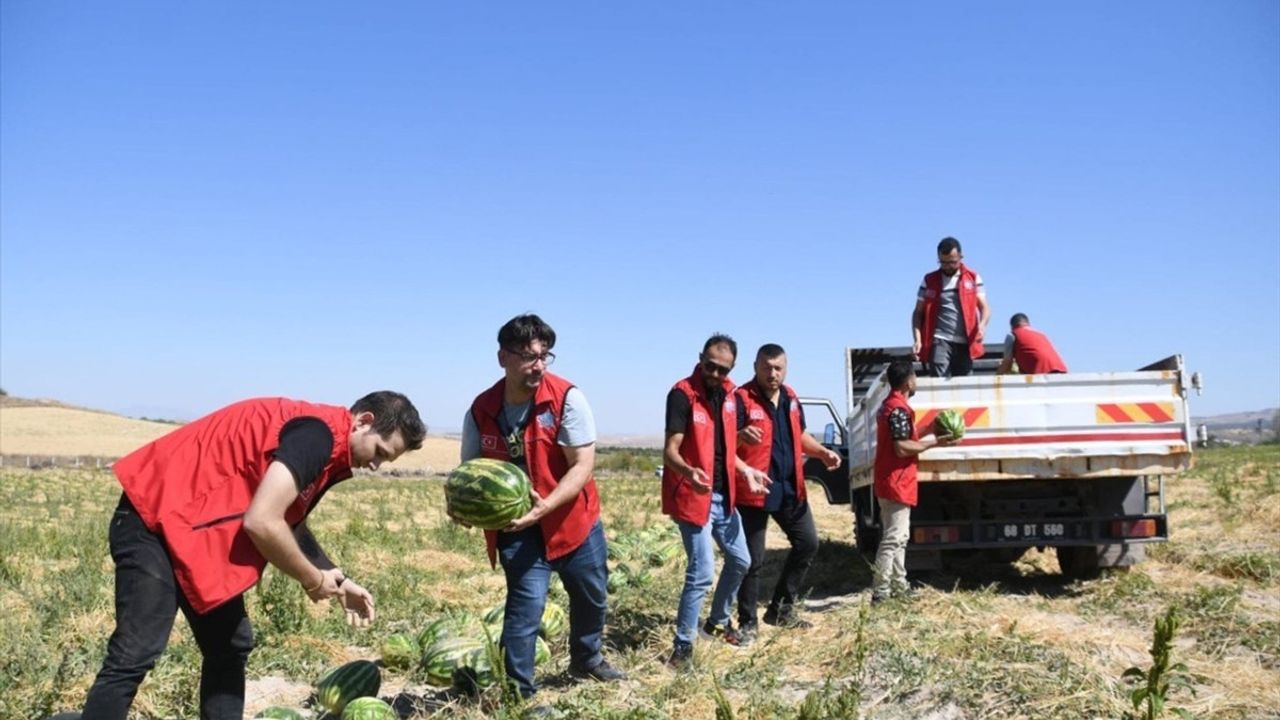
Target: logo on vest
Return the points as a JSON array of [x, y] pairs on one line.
[[729, 406], [968, 284], [546, 420], [489, 442], [699, 417], [757, 414]]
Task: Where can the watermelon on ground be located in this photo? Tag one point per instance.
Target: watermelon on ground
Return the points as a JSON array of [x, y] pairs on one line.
[[949, 422], [369, 708], [359, 678], [541, 651], [494, 617], [487, 493], [399, 651], [445, 656], [554, 621], [447, 626], [277, 712]]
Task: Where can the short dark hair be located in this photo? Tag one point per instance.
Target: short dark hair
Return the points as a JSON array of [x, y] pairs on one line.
[[769, 351], [900, 371], [391, 412], [1019, 319], [721, 339], [521, 330], [947, 244]]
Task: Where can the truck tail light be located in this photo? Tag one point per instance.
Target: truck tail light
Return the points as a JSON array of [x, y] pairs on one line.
[[1133, 528], [934, 535]]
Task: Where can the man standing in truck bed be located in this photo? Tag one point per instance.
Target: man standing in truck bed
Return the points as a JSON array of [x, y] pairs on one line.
[[1032, 349], [951, 315]]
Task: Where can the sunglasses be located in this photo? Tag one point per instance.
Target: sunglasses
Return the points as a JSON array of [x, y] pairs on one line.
[[712, 368]]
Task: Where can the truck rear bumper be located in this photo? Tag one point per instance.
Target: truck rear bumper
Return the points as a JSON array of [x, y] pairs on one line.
[[1020, 532]]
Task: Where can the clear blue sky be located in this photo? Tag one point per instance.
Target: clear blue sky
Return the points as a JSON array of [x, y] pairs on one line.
[[205, 202]]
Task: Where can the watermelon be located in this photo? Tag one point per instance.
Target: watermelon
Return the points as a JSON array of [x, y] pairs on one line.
[[475, 670], [541, 652], [949, 422], [399, 651], [445, 656], [487, 493], [277, 712], [494, 617], [446, 627], [554, 621], [369, 708], [359, 678]]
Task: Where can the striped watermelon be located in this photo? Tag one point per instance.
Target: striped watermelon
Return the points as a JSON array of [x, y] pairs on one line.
[[369, 708], [541, 652], [447, 627], [276, 712], [359, 678], [494, 617], [949, 422], [445, 656], [554, 621], [475, 671], [487, 493], [399, 651]]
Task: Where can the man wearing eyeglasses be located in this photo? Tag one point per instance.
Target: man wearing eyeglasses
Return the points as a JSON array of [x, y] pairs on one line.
[[542, 423], [699, 472], [951, 315]]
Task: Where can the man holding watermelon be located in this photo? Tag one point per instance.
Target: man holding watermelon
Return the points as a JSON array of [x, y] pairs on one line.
[[206, 507], [699, 476], [898, 446], [542, 423], [951, 315], [773, 441]]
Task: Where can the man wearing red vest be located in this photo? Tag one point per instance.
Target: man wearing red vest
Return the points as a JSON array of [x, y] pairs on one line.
[[542, 423], [773, 441], [206, 507], [699, 475], [1031, 349], [951, 315], [898, 445]]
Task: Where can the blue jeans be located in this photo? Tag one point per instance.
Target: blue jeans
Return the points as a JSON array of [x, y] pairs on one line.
[[585, 574], [725, 526]]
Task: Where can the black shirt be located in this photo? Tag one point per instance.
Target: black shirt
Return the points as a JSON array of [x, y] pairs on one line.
[[305, 446], [679, 410], [782, 458]]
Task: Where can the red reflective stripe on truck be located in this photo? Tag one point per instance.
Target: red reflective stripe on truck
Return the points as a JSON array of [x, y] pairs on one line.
[[1072, 437]]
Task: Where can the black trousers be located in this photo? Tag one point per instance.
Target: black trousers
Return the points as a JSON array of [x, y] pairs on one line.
[[796, 521], [147, 601]]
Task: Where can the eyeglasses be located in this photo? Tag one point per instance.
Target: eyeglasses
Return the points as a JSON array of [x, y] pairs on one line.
[[530, 358], [714, 368], [950, 263]]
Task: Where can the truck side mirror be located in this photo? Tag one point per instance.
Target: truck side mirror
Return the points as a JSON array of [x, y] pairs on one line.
[[829, 434]]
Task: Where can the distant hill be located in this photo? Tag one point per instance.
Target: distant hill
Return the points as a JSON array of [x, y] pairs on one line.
[[1243, 427], [50, 428]]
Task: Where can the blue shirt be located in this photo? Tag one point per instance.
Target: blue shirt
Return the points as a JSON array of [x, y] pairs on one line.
[[782, 458]]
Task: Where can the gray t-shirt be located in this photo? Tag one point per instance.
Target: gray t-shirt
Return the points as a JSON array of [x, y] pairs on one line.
[[950, 327], [577, 429]]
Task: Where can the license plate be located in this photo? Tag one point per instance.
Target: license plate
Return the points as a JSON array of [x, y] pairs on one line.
[[1033, 531]]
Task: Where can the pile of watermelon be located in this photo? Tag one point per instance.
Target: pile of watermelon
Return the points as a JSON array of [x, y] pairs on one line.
[[949, 422], [634, 553], [487, 493], [348, 691], [461, 650]]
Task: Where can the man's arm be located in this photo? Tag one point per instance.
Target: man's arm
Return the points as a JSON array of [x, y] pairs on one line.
[[671, 456], [265, 525], [813, 448], [582, 460], [917, 322], [1006, 361], [984, 314], [908, 447], [310, 547]]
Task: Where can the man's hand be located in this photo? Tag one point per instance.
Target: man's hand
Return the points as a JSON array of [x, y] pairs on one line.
[[357, 602], [698, 479], [330, 582], [944, 440], [980, 334], [830, 459], [758, 482], [916, 347], [530, 518], [750, 435]]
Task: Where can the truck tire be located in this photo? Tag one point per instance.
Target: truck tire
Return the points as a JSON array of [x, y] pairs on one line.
[[866, 533], [1079, 562]]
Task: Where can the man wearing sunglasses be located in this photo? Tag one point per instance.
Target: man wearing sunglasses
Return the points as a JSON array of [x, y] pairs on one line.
[[951, 315], [542, 423], [699, 474]]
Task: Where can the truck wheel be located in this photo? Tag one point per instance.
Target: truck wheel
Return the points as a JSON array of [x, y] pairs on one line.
[[1079, 562], [866, 535]]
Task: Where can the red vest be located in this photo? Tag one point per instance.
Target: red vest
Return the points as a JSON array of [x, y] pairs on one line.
[[193, 486], [968, 292], [1034, 353], [679, 499], [566, 527], [895, 477], [758, 456]]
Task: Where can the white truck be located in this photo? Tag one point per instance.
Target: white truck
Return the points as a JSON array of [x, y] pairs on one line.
[[1073, 461]]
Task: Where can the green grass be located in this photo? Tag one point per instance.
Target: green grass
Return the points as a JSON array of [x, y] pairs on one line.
[[1011, 646]]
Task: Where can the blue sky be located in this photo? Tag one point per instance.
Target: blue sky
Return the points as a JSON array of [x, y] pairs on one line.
[[205, 202]]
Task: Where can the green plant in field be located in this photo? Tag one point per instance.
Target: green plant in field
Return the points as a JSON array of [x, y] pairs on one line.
[[832, 702], [1152, 686]]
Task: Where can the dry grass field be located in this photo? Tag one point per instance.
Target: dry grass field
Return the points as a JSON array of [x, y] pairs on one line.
[[1015, 641]]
